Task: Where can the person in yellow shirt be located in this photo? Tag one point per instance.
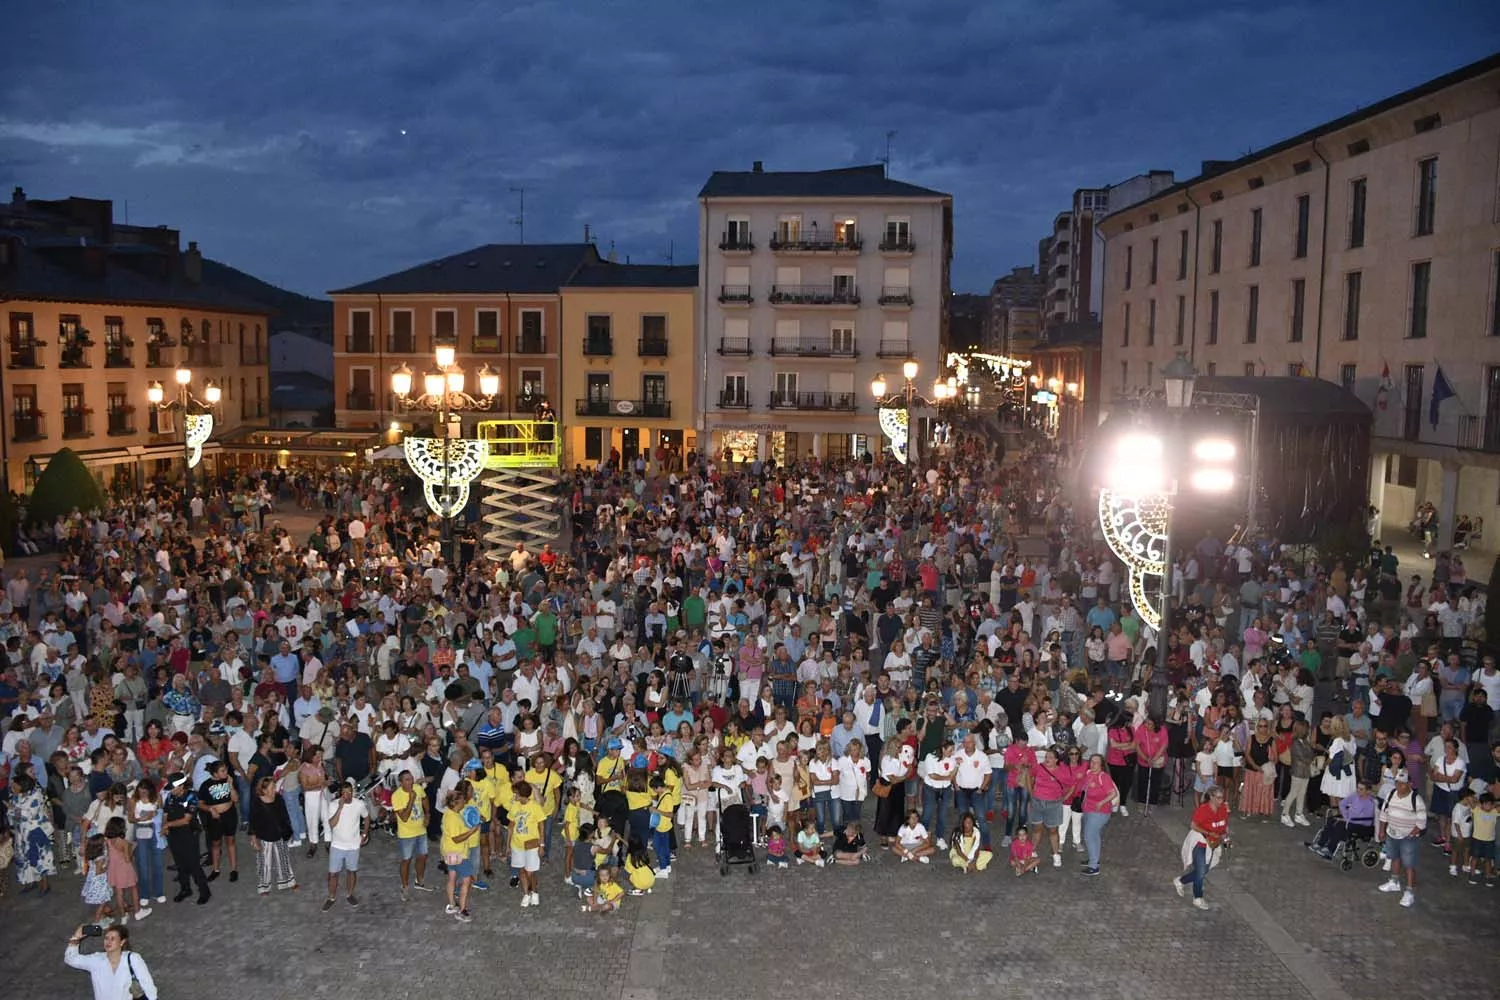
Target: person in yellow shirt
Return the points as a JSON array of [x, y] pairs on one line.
[[609, 773], [409, 803], [661, 826], [460, 828], [638, 868], [493, 783], [527, 820], [606, 894], [546, 786], [572, 813]]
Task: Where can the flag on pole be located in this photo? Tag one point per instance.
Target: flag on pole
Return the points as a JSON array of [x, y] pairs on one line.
[[1383, 393], [1441, 390]]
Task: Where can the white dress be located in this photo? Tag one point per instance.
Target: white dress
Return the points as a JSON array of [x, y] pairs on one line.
[[1340, 787]]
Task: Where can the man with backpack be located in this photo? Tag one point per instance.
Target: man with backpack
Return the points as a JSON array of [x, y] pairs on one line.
[[1404, 818]]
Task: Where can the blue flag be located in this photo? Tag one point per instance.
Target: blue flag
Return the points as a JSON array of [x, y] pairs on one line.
[[1441, 390]]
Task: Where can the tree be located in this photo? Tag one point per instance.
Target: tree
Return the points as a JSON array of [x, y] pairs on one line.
[[65, 484]]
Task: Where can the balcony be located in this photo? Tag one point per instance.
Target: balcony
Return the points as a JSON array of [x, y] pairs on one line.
[[897, 246], [356, 343], [813, 242], [486, 344], [846, 401], [734, 401], [26, 353], [74, 353], [75, 423], [895, 296], [735, 295], [734, 347], [531, 343], [651, 347], [1479, 434], [736, 243], [622, 408], [161, 355], [401, 344], [819, 347], [838, 296], [598, 347], [121, 422], [360, 399], [252, 355], [27, 427], [205, 355], [894, 349]]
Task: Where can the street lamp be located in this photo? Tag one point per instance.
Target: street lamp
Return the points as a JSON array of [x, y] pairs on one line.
[[443, 392], [197, 414], [907, 398]]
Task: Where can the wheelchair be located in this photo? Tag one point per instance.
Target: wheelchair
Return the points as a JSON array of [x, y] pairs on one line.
[[1360, 846]]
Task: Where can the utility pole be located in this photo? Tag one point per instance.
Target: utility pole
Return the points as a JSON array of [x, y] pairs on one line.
[[520, 220]]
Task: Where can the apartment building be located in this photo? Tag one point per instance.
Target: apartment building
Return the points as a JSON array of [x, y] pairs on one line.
[[1367, 245], [810, 284], [1015, 317], [94, 312], [629, 370], [499, 303]]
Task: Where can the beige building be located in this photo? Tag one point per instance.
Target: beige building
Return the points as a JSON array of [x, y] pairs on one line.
[[629, 362], [1367, 245]]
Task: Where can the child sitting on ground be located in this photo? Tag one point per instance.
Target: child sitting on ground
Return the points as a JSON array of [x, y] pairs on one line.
[[968, 852], [1023, 857], [913, 843], [775, 846], [638, 868], [849, 845], [809, 844], [605, 896]]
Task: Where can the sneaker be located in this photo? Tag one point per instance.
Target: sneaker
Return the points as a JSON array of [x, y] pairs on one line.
[[1091, 872], [1473, 878], [480, 884], [1390, 885], [1124, 810], [1005, 842], [925, 860], [904, 860], [421, 886], [1181, 889], [294, 842], [234, 876], [1057, 861], [352, 899], [1201, 904], [942, 844], [312, 851], [1287, 820], [536, 899], [1408, 898], [515, 880], [779, 864], [405, 896], [636, 892], [821, 862], [450, 909], [664, 872], [463, 916], [801, 860], [1385, 865], [328, 904], [1302, 821], [161, 899], [1453, 870], [525, 899]]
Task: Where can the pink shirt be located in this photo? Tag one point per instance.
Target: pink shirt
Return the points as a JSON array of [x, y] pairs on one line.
[[1018, 759], [1047, 783], [1072, 776], [1098, 790], [1150, 746], [1114, 756], [1117, 646]]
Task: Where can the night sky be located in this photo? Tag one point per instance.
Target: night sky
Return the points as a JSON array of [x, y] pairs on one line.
[[316, 143]]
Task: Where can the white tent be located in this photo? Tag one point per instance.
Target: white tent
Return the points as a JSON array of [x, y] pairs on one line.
[[390, 453]]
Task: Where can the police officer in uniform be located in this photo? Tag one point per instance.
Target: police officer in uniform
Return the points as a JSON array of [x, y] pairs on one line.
[[180, 821]]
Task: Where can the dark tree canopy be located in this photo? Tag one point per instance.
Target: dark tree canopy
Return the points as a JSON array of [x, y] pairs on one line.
[[65, 484]]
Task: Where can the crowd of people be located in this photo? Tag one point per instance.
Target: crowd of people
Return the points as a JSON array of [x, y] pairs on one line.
[[194, 687]]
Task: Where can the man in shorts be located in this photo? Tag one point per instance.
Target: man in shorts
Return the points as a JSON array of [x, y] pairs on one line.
[[527, 818], [1404, 817], [348, 828], [409, 803]]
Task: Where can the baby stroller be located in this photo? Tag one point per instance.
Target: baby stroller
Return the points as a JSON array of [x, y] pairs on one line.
[[376, 792], [736, 839]]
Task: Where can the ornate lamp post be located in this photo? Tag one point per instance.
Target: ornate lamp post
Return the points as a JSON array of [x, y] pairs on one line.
[[197, 415], [895, 411]]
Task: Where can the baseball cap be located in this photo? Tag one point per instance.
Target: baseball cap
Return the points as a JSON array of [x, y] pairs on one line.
[[1402, 777], [473, 764], [614, 744]]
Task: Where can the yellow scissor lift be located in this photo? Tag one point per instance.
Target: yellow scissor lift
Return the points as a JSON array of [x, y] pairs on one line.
[[521, 475]]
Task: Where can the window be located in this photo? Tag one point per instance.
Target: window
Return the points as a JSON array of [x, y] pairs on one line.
[[1151, 275], [1150, 372], [1299, 309], [843, 287], [593, 444], [737, 233], [1151, 323], [1181, 321], [786, 389], [1353, 286], [735, 392], [444, 325], [1304, 220], [1250, 369], [654, 394], [1182, 255], [736, 336], [1427, 177], [789, 228], [1252, 315], [402, 339], [1125, 337], [1129, 264], [1213, 316], [841, 339], [1421, 287], [1255, 219], [1213, 369], [1124, 374], [897, 233], [653, 336], [1216, 253], [1294, 368], [600, 391], [846, 231], [1348, 375], [1411, 422], [1357, 190], [533, 339], [598, 335], [360, 339]]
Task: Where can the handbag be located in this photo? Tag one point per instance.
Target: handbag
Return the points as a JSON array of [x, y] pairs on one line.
[[1429, 704], [882, 788], [137, 991]]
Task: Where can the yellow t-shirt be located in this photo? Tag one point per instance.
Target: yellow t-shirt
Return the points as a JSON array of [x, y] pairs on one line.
[[570, 822], [544, 779], [1484, 824], [673, 782], [637, 800], [609, 892], [663, 807], [454, 826], [608, 773], [416, 824], [526, 822], [482, 799], [641, 876]]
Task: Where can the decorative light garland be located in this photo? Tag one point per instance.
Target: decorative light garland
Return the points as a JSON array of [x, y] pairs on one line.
[[1136, 530], [464, 464], [199, 427], [895, 424]]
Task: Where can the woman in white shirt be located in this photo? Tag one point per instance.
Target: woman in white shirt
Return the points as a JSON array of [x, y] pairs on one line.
[[853, 782], [898, 665], [891, 808], [728, 780], [938, 770]]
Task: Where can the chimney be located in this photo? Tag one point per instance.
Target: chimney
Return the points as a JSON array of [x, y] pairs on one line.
[[758, 167], [192, 263], [18, 198], [588, 236]]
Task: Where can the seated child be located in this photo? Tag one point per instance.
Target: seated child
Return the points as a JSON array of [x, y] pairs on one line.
[[605, 896], [809, 844], [913, 843], [775, 846], [1023, 857], [849, 845], [968, 851], [638, 868]]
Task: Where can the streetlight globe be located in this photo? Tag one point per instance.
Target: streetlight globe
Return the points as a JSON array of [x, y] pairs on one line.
[[489, 381], [878, 387], [445, 354], [455, 379], [212, 393], [909, 370], [939, 390], [401, 381], [433, 383], [155, 393], [183, 376]]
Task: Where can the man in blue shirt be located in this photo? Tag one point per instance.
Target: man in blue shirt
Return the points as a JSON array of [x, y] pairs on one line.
[[1102, 615], [288, 669]]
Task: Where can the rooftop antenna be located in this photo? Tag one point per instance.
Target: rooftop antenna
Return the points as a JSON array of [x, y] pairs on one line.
[[889, 135], [671, 252], [519, 221]]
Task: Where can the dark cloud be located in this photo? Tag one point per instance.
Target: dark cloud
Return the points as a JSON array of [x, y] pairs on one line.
[[318, 144]]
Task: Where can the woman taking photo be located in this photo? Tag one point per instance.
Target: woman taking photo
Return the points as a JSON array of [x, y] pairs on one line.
[[1100, 798], [270, 833]]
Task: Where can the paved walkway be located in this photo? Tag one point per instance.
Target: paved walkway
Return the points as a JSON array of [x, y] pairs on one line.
[[1285, 925]]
